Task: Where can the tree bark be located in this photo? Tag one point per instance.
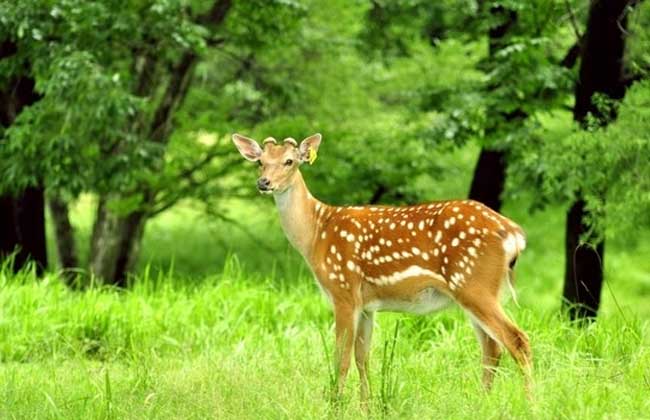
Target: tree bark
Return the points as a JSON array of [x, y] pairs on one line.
[[64, 235], [489, 176], [22, 214], [23, 228], [601, 71], [115, 244]]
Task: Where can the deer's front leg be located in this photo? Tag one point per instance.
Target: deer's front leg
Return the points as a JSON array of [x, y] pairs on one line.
[[361, 350], [346, 318]]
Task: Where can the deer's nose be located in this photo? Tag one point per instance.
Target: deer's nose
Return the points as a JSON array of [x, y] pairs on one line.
[[263, 184]]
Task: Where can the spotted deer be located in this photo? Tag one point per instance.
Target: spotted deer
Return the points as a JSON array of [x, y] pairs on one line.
[[416, 259]]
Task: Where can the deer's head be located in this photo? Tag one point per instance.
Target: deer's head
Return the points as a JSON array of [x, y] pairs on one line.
[[278, 162]]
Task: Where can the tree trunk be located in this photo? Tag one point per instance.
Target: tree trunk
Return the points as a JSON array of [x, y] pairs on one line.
[[115, 244], [601, 71], [64, 235], [22, 215], [489, 178], [490, 172], [583, 267], [22, 225]]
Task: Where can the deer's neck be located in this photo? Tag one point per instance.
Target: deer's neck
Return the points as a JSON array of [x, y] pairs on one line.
[[297, 209]]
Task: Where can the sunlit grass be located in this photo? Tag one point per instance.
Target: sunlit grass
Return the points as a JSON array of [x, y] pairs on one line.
[[242, 346]]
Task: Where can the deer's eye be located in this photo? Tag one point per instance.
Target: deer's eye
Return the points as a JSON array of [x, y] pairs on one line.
[[259, 163], [288, 162]]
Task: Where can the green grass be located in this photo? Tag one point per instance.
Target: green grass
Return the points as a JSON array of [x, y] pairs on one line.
[[241, 346]]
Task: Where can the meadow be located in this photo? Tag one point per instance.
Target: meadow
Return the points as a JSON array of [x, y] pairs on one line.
[[225, 323]]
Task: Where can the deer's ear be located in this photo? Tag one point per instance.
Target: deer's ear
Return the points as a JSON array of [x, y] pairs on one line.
[[248, 148], [309, 148]]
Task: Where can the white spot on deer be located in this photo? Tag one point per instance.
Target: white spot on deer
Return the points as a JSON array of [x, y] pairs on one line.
[[421, 225], [455, 209], [392, 226], [344, 233], [471, 230], [406, 254], [454, 242], [452, 220], [438, 236], [389, 243], [329, 260], [396, 255], [350, 265], [416, 251], [338, 256], [333, 249], [521, 241], [412, 271], [402, 223], [445, 260], [446, 224], [460, 216], [472, 217], [350, 237], [429, 234], [462, 235], [436, 251], [510, 245], [323, 235], [472, 251], [425, 256], [341, 277], [468, 270], [476, 242], [444, 248], [332, 276], [410, 225], [389, 258]]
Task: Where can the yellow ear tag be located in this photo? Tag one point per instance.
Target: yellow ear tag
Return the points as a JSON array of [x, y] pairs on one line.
[[312, 156]]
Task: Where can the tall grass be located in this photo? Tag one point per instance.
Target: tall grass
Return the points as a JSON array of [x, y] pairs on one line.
[[241, 345]]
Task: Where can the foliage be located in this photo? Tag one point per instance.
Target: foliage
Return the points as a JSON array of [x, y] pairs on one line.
[[609, 165]]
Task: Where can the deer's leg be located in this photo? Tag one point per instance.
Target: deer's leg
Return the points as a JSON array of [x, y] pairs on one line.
[[361, 350], [491, 354], [489, 315], [346, 318]]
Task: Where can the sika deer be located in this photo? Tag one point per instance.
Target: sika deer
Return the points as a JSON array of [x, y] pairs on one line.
[[414, 259]]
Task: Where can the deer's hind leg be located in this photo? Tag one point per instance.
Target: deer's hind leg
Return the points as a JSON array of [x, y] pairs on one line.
[[491, 354], [489, 315]]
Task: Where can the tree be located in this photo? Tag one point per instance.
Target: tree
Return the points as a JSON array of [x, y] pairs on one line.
[[601, 73], [112, 81]]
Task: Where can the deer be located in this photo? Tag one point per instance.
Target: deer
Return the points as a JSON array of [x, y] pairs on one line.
[[416, 259]]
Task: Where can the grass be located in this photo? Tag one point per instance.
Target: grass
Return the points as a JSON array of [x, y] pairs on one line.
[[222, 325], [241, 346]]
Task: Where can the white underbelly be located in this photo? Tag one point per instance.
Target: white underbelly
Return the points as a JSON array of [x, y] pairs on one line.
[[426, 301]]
